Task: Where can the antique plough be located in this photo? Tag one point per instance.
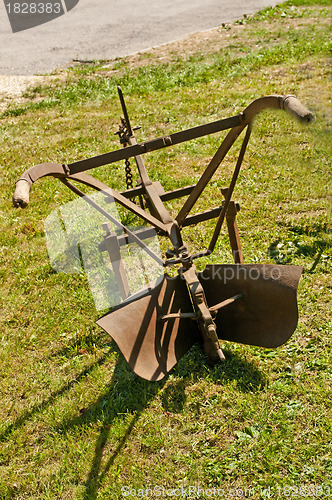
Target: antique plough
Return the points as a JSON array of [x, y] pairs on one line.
[[155, 326]]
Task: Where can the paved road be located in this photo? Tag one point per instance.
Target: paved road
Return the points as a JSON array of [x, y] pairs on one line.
[[106, 29]]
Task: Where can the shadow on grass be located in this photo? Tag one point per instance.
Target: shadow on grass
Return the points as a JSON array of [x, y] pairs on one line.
[[128, 395], [235, 369], [28, 414], [282, 252]]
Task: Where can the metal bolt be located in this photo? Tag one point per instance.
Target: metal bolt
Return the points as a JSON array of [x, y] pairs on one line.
[[211, 329]]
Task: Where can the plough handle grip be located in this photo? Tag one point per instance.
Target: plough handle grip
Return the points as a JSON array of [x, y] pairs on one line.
[[288, 103], [294, 107], [24, 183], [21, 193]]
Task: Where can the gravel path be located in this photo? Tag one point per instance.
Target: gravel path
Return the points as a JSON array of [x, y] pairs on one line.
[[12, 86]]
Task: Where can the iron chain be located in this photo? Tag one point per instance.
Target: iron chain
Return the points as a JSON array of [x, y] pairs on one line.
[[129, 175]]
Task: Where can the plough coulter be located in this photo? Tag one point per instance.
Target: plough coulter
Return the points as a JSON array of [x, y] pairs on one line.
[[156, 321]]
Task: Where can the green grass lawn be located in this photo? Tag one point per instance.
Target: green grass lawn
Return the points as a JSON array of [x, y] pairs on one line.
[[75, 422]]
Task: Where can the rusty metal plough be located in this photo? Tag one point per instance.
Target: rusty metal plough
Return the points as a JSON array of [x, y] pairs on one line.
[[248, 303]]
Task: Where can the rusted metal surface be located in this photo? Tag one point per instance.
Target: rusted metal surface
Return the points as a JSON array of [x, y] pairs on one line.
[[151, 345], [112, 246], [248, 303], [266, 314], [252, 304], [205, 321]]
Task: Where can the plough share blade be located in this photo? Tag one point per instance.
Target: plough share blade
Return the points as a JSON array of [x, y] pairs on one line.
[[154, 331]]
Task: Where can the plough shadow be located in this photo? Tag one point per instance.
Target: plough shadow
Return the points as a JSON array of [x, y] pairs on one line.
[[130, 395], [314, 249], [36, 408]]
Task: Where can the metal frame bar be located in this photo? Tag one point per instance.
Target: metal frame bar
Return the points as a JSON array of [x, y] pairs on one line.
[[159, 217], [154, 144], [230, 189], [117, 223]]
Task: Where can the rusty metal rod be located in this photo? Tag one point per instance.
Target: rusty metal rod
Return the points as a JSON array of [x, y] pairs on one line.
[[125, 112], [117, 223], [208, 173], [225, 303], [230, 190], [155, 144], [166, 317]]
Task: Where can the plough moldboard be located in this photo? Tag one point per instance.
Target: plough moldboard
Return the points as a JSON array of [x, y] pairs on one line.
[[155, 326]]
